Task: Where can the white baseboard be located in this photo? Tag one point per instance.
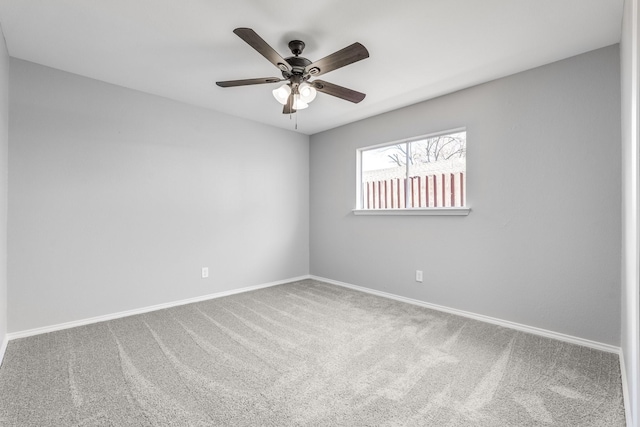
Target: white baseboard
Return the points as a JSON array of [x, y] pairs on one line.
[[97, 319], [480, 317], [505, 323]]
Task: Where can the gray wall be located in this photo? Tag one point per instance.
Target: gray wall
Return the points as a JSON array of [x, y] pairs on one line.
[[630, 122], [118, 198], [4, 146], [541, 245]]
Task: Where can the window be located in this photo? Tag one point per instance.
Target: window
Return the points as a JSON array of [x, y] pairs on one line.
[[422, 175]]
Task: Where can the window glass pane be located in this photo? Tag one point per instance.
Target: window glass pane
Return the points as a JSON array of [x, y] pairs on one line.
[[437, 169], [383, 177]]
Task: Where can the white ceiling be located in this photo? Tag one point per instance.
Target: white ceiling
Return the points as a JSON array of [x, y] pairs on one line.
[[419, 49]]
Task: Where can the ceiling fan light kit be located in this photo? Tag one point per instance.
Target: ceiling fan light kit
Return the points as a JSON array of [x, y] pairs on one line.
[[296, 70], [306, 94]]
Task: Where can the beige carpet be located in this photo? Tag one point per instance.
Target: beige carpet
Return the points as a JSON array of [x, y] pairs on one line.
[[305, 354]]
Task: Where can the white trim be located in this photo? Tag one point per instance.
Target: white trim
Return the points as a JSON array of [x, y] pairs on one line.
[[625, 390], [359, 151], [505, 323], [413, 138], [127, 313], [413, 211], [634, 312], [500, 322], [631, 220], [3, 348]]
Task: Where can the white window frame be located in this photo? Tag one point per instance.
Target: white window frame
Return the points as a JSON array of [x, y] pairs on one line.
[[359, 210]]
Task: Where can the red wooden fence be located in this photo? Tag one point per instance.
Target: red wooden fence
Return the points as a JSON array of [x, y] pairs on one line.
[[428, 191]]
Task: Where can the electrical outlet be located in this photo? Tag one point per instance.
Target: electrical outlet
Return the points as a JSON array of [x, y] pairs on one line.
[[205, 272], [419, 276]]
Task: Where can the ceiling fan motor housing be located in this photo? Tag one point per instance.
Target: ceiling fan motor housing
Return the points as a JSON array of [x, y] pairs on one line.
[[298, 64]]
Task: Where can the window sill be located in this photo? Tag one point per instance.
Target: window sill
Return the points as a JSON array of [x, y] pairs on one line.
[[425, 211]]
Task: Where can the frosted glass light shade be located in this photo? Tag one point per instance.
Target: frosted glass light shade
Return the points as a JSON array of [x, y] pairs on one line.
[[298, 103], [307, 92], [282, 93]]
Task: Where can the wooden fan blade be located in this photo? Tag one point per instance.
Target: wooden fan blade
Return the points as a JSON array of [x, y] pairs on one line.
[[256, 42], [246, 82], [338, 91], [346, 56], [288, 107]]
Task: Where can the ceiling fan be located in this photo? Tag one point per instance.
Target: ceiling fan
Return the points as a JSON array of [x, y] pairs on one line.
[[297, 70]]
